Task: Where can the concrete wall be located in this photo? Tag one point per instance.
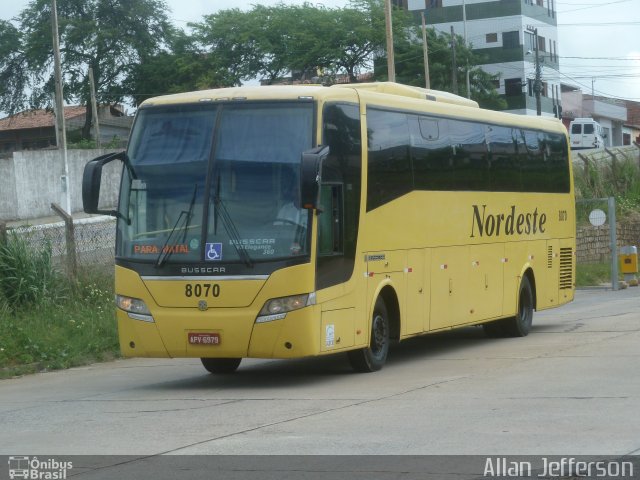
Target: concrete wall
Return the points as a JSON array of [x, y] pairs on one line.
[[593, 243], [31, 180]]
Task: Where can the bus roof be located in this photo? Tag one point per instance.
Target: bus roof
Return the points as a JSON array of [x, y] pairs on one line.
[[392, 88], [383, 93]]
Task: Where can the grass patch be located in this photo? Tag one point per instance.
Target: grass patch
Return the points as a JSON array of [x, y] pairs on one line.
[[593, 274], [49, 336], [47, 321]]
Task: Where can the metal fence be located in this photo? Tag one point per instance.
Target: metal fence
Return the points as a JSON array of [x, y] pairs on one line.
[[92, 242]]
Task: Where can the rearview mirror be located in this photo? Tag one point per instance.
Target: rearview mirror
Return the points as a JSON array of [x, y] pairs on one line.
[[311, 176], [91, 180]]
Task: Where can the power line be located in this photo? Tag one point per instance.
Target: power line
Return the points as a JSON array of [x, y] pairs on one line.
[[591, 5], [598, 24]]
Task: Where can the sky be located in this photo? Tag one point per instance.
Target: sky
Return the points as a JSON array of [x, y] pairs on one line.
[[598, 40]]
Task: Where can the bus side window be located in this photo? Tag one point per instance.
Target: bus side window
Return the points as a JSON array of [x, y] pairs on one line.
[[390, 174], [431, 153], [559, 180], [505, 168], [470, 156]]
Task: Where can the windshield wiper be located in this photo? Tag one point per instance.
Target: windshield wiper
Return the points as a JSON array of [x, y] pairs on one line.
[[220, 211], [165, 252]]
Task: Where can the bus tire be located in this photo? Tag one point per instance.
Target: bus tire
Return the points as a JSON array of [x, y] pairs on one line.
[[221, 365], [520, 325], [373, 357]]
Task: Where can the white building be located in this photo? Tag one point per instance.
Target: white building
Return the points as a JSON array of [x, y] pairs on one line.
[[502, 31]]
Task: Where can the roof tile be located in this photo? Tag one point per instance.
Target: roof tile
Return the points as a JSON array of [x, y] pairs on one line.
[[37, 118]]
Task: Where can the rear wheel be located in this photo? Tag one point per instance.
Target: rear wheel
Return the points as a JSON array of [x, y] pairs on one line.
[[520, 325], [221, 365], [373, 357]]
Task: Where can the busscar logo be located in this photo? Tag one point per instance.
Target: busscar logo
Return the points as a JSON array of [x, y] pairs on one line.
[[37, 469], [485, 223]]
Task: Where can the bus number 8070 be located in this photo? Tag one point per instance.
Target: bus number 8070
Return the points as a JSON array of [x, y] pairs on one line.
[[202, 290]]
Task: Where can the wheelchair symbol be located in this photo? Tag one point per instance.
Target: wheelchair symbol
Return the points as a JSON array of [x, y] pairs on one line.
[[213, 251]]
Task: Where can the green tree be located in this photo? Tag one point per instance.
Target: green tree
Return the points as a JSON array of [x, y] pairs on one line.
[[228, 36], [183, 67], [365, 34], [271, 42], [109, 36], [409, 59]]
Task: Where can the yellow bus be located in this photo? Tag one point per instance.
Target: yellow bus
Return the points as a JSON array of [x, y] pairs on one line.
[[295, 221]]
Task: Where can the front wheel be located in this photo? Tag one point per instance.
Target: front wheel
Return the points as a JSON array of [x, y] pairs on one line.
[[221, 365], [373, 357]]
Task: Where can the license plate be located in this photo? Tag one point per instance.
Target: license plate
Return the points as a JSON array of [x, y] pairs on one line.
[[204, 338]]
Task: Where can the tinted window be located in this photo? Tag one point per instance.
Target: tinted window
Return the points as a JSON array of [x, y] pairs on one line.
[[576, 128], [533, 169], [172, 135], [470, 156], [588, 128], [505, 166], [341, 173], [431, 153], [555, 158], [449, 154], [390, 174]]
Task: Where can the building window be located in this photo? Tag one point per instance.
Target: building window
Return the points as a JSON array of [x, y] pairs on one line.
[[496, 84], [511, 39], [512, 87], [542, 43], [626, 139], [529, 41], [540, 3], [492, 37]]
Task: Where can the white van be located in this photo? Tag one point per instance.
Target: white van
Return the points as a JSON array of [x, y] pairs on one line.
[[586, 133]]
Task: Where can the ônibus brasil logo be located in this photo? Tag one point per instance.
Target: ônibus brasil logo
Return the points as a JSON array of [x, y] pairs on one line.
[[36, 469]]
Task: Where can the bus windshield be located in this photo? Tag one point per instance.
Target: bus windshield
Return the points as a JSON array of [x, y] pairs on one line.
[[216, 183]]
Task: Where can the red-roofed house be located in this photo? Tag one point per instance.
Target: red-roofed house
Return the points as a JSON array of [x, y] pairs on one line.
[[35, 129]]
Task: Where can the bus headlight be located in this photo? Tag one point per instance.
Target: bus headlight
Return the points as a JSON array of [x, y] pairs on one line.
[[277, 308], [134, 307]]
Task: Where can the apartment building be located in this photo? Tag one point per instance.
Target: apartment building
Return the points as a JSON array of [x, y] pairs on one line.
[[506, 33]]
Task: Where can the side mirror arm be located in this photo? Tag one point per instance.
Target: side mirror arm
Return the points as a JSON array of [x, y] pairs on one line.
[[311, 176]]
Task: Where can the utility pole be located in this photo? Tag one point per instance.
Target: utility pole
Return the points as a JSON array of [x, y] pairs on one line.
[[60, 124], [425, 50], [391, 68], [94, 108], [454, 66], [537, 85], [464, 26]]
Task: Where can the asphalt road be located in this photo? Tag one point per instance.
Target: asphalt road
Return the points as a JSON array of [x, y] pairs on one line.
[[570, 387]]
